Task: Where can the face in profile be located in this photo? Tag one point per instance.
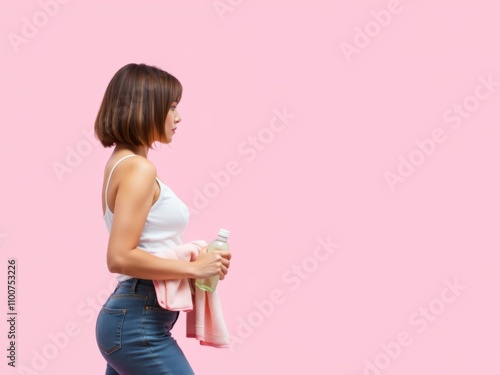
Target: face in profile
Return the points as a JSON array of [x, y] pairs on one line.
[[135, 99], [173, 118]]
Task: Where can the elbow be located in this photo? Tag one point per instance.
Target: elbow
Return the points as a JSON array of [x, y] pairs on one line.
[[116, 264]]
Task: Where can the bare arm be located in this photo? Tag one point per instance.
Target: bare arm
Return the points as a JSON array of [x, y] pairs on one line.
[[132, 204]]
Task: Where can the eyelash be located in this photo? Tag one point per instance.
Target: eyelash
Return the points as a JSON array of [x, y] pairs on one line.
[[174, 107]]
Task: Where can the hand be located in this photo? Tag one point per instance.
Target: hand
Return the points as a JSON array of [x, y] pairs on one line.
[[211, 264]]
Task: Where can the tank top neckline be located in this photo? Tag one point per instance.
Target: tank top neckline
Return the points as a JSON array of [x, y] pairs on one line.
[[109, 179]]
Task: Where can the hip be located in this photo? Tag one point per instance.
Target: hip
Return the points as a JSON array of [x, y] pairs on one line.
[[133, 303]]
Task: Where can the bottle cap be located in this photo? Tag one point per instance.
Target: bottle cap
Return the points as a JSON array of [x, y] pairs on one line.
[[224, 233]]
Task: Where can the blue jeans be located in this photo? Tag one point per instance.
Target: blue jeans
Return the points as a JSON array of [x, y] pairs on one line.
[[133, 333]]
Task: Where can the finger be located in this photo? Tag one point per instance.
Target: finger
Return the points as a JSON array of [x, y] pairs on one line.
[[224, 270], [225, 254]]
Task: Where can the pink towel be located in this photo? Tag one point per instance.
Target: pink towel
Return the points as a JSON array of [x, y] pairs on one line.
[[204, 320]]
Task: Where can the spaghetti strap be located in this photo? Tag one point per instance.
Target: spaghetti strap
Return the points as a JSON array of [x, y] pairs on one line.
[[109, 177]]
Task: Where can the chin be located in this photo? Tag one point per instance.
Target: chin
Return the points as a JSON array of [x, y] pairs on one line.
[[166, 140]]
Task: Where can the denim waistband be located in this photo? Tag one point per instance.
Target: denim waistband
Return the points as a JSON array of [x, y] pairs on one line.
[[131, 289], [135, 284]]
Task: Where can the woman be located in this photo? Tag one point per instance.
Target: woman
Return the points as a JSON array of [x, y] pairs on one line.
[[143, 216]]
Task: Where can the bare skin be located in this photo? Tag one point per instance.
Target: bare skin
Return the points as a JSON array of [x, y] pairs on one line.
[[132, 191]]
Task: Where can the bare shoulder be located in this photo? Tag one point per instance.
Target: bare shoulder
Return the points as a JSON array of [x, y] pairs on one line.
[[138, 171], [131, 171], [132, 182], [136, 189]]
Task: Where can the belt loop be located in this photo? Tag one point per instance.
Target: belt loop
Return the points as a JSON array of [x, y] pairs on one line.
[[117, 286], [134, 284]]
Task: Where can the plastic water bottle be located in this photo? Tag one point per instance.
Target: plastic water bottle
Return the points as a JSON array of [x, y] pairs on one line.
[[220, 243]]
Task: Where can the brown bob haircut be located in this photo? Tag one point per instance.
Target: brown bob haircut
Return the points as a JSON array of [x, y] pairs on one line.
[[135, 105]]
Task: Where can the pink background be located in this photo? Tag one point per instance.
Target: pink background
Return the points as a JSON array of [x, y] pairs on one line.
[[356, 117]]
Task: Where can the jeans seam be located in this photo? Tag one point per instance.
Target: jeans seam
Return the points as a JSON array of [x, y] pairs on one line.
[[146, 342]]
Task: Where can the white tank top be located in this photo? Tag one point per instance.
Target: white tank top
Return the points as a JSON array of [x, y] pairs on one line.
[[165, 224]]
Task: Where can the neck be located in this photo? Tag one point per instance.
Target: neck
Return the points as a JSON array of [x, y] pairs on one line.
[[138, 150]]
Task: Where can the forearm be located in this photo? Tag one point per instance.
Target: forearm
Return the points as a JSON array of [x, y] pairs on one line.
[[143, 265]]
